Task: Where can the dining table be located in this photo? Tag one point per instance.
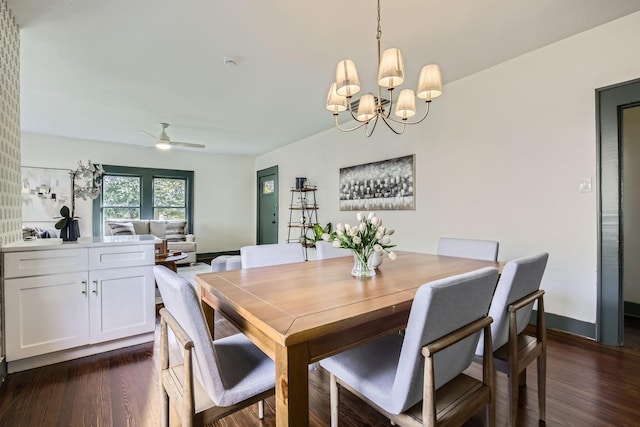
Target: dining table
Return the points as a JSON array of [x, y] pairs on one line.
[[303, 312]]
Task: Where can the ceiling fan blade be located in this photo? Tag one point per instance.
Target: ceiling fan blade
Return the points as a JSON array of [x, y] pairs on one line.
[[187, 144], [145, 132]]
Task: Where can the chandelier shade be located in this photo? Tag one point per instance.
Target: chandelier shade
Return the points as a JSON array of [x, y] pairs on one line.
[[391, 69], [406, 106], [347, 80], [430, 82], [335, 103], [366, 108], [391, 74]]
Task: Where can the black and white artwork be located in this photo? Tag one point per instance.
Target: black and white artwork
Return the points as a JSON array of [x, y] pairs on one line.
[[384, 185], [44, 192]]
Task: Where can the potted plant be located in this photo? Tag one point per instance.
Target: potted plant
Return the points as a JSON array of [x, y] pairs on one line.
[[86, 182]]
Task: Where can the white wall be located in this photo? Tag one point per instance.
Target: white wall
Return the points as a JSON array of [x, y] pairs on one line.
[[631, 202], [500, 157], [224, 210]]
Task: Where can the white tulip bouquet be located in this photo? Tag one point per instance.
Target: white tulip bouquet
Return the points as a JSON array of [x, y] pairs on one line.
[[368, 236]]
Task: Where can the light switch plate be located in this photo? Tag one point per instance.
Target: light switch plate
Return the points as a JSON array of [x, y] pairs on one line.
[[585, 185]]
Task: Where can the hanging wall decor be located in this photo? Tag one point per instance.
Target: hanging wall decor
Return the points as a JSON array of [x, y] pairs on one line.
[[384, 185]]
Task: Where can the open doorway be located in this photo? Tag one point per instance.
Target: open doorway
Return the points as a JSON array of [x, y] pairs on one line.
[[617, 109], [630, 205]]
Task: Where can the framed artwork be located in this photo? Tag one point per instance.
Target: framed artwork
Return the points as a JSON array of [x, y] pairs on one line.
[[384, 185], [44, 192]]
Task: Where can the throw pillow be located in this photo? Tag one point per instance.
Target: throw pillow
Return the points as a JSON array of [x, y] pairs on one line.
[[121, 228], [175, 231]]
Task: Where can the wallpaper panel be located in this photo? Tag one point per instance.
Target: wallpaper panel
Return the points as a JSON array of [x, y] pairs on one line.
[[10, 204]]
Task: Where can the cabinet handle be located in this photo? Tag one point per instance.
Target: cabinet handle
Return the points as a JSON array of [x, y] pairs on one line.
[[95, 287], [84, 290]]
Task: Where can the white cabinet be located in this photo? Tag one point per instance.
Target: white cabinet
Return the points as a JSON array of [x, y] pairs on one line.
[[45, 314], [60, 299], [121, 303]]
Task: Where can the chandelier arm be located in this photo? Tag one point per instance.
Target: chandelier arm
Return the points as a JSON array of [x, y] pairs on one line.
[[388, 114], [426, 113], [375, 122], [397, 132], [348, 130]]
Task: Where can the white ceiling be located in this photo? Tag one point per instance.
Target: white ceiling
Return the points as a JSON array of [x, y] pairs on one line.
[[105, 69]]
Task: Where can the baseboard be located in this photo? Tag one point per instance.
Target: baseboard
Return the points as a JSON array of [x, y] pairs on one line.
[[567, 324], [631, 309], [210, 255], [3, 371], [76, 352]]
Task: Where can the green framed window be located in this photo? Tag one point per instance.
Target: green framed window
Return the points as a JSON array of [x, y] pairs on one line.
[[143, 193]]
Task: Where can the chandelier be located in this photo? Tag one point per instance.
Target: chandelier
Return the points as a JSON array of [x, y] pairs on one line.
[[390, 75]]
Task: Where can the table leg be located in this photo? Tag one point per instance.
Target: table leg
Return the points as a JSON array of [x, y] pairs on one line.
[[292, 385], [209, 313]]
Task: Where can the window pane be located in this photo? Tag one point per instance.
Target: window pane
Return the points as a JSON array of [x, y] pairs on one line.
[[169, 213], [169, 192], [121, 191], [121, 213]]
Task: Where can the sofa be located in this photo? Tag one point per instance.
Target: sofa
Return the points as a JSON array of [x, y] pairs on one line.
[[174, 231]]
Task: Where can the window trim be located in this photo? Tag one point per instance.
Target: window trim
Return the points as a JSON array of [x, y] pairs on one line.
[[146, 198]]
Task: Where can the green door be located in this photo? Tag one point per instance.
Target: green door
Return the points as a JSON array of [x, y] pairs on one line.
[[267, 206]]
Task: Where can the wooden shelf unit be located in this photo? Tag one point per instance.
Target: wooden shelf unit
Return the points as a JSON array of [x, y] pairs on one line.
[[303, 203]]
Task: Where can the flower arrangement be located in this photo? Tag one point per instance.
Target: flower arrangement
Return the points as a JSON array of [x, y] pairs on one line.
[[363, 239], [86, 182]]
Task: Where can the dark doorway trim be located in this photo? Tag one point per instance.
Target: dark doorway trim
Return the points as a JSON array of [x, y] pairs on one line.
[[273, 170], [610, 101]]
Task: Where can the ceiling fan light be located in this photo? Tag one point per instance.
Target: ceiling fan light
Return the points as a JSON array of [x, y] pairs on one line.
[[366, 108], [335, 103], [406, 106], [163, 145], [347, 80], [430, 82], [391, 70]]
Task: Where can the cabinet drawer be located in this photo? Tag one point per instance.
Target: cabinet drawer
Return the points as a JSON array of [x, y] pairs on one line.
[[121, 256], [36, 263]]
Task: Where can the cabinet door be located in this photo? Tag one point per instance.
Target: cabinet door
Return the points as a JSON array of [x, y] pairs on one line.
[[122, 303], [45, 314]]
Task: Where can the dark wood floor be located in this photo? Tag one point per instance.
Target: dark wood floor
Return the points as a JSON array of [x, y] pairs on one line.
[[587, 385]]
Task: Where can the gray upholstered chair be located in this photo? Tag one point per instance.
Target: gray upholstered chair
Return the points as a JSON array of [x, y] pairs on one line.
[[325, 250], [274, 254], [517, 290], [391, 374], [217, 377], [468, 248]]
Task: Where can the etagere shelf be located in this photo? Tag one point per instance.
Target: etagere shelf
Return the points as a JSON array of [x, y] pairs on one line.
[[303, 214]]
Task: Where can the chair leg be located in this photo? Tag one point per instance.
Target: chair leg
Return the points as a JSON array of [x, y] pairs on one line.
[[513, 399], [333, 397], [261, 409], [522, 379], [542, 385], [165, 407]]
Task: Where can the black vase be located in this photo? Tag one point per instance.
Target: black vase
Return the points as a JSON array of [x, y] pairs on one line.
[[71, 231]]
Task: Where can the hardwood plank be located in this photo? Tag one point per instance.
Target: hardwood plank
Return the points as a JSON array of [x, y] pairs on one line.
[[587, 384]]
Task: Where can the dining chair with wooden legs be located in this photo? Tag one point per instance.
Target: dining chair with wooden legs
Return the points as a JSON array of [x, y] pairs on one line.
[[215, 378], [518, 289], [417, 379]]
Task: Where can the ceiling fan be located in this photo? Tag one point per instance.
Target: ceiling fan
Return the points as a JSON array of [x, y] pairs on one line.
[[163, 141]]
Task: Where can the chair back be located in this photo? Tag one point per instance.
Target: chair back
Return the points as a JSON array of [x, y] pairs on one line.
[[439, 308], [519, 278], [468, 248], [274, 254], [180, 299], [325, 250]]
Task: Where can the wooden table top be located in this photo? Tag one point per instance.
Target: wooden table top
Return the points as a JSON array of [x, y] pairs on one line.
[[293, 303]]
